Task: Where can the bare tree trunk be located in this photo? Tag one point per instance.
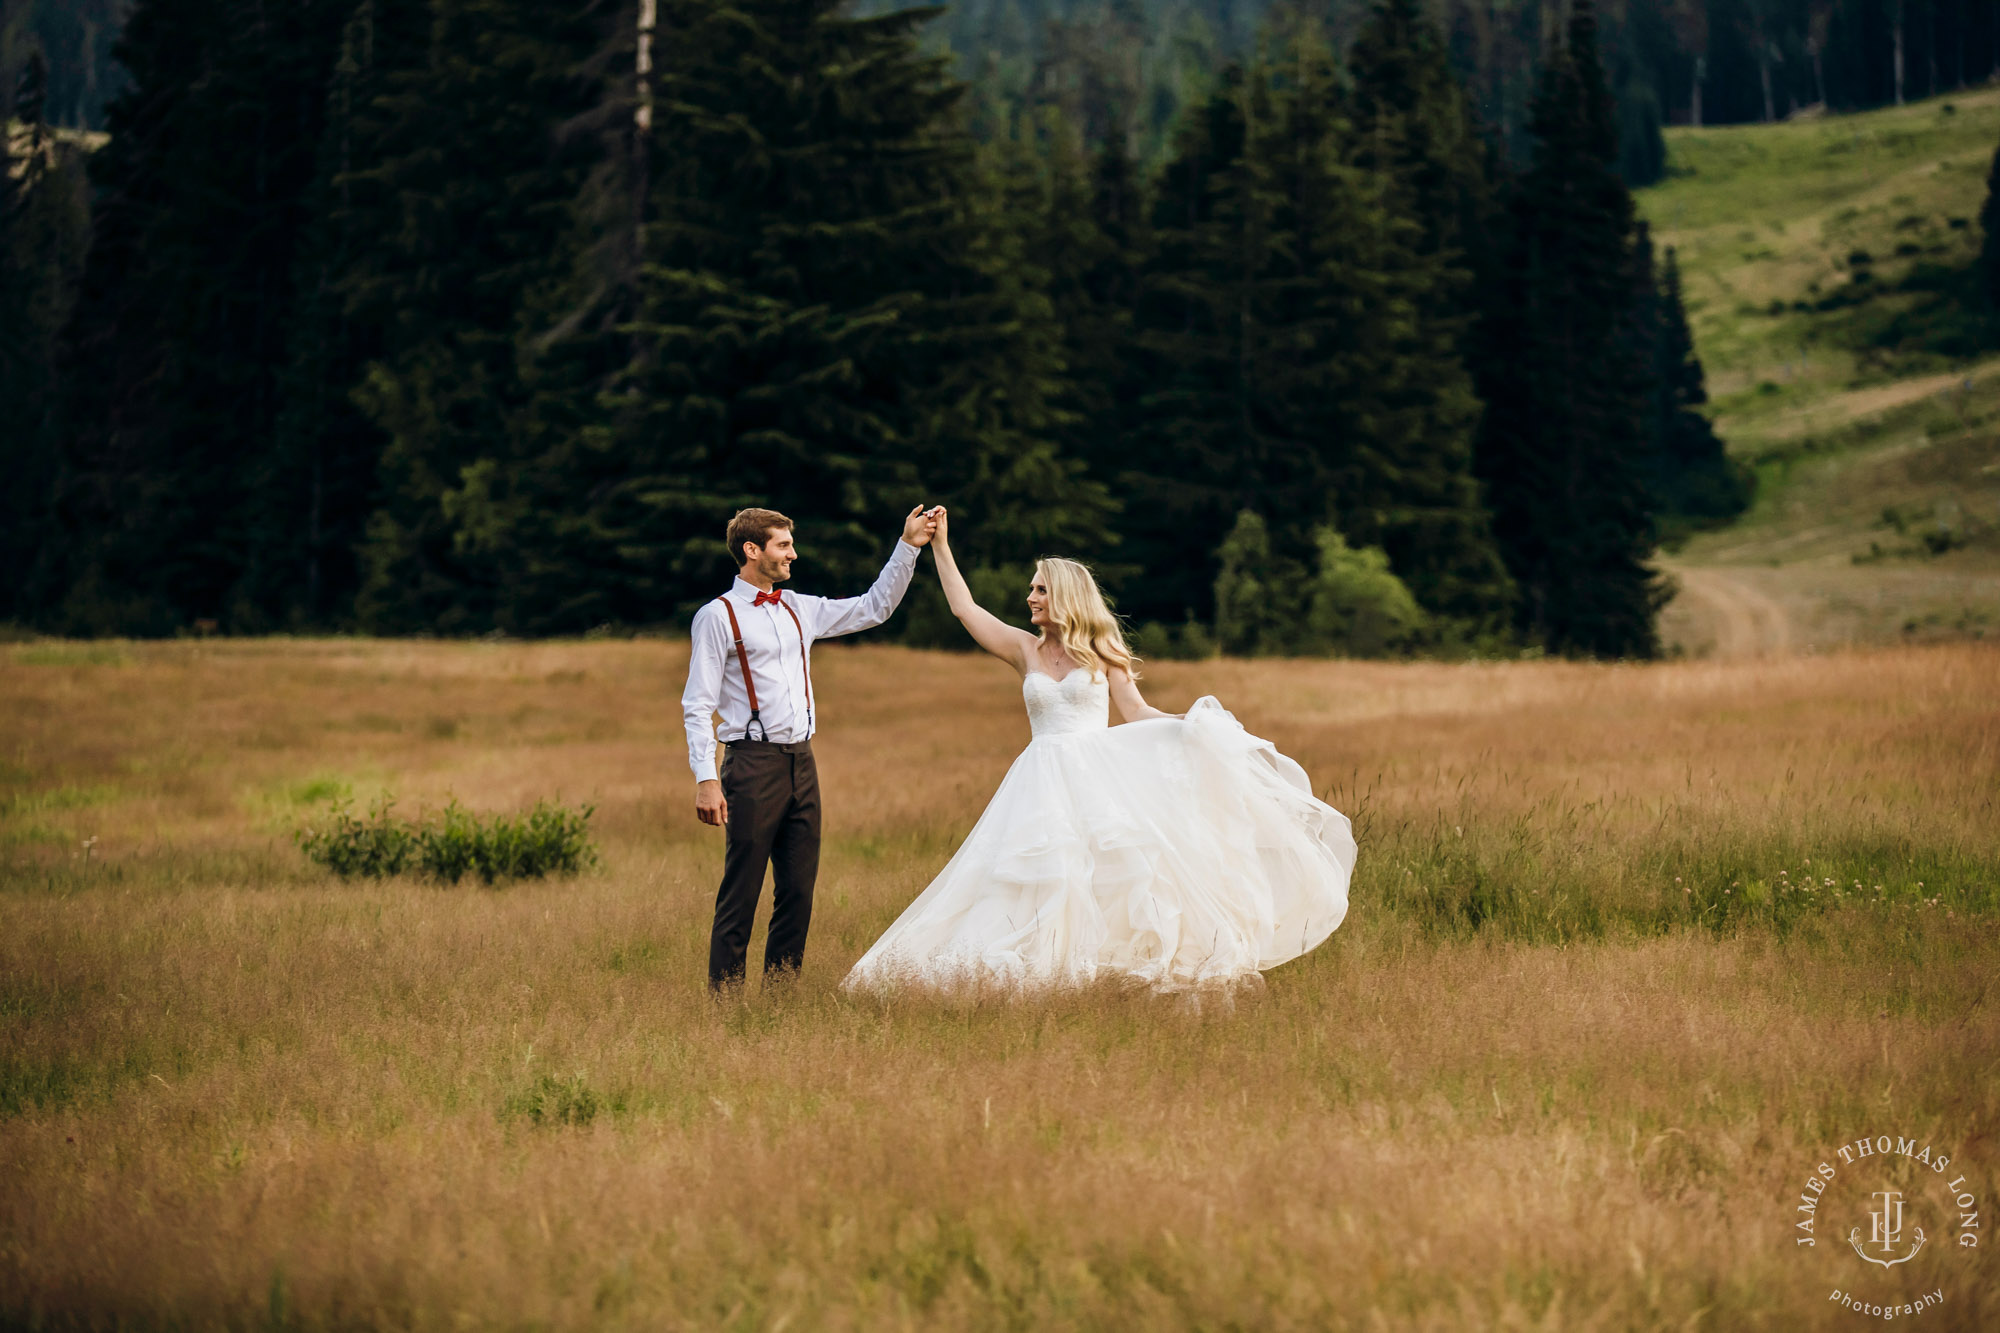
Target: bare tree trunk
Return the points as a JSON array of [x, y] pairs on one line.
[[1700, 71], [1764, 75], [649, 16], [642, 136]]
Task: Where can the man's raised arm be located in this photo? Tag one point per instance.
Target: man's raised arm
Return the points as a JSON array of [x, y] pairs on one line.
[[849, 615]]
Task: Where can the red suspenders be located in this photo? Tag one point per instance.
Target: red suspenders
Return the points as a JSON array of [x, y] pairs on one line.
[[750, 683]]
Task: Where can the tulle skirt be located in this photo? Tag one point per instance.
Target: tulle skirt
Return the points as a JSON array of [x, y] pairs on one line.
[[1180, 854]]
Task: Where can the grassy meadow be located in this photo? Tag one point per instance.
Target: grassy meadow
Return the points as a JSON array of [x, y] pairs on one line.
[[1631, 950], [1825, 265]]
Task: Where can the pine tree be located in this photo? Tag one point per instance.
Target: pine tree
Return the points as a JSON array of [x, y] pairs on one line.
[[315, 486], [1989, 222], [177, 345], [1693, 479], [1297, 335], [1200, 445], [1262, 596], [44, 221], [465, 181], [1413, 119], [1642, 148], [1567, 389], [1414, 408], [1084, 232], [837, 321]]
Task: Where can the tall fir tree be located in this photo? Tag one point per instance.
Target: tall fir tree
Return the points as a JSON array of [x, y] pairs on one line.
[[1297, 343], [465, 179], [836, 320], [44, 231], [315, 485], [1414, 134], [1198, 448], [1989, 222], [177, 345], [1412, 118], [1567, 381], [1693, 480], [1084, 231]]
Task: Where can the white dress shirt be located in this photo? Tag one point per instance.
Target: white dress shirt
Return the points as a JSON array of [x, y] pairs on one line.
[[715, 680]]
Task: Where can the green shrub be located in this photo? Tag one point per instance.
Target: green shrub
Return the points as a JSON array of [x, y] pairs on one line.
[[1359, 607], [549, 839], [1258, 605], [348, 846], [1349, 604], [1156, 641]]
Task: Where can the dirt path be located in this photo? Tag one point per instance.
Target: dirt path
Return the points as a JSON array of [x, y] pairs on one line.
[[1742, 621]]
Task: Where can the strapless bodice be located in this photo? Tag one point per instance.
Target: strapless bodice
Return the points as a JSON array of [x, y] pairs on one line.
[[1076, 703]]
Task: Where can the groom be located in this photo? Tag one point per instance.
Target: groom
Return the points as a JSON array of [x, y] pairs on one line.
[[752, 664]]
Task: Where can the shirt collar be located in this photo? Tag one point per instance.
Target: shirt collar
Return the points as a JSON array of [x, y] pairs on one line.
[[744, 591]]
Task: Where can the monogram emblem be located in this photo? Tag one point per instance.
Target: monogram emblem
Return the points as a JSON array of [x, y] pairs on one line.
[[1886, 1231]]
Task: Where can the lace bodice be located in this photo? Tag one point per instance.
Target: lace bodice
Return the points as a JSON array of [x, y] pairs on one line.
[[1063, 707]]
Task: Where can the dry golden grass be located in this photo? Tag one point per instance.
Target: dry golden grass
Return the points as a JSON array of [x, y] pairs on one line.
[[1531, 1083]]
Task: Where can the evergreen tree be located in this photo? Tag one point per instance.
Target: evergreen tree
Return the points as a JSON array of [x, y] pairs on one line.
[[1297, 339], [1084, 231], [1989, 222], [1201, 445], [315, 484], [1414, 407], [1563, 446], [1343, 601], [465, 182], [1693, 479], [1261, 595], [838, 320], [1413, 119], [44, 219], [1642, 148], [177, 344]]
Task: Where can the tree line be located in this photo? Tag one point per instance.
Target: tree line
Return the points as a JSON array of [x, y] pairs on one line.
[[457, 316], [1699, 62], [1668, 61]]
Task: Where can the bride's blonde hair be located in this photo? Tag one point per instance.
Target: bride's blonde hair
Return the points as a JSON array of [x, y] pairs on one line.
[[1082, 620]]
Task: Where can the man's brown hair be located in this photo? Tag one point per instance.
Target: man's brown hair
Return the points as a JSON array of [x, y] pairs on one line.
[[752, 525]]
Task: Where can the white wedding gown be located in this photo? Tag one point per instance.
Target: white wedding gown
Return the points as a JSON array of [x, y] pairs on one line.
[[1179, 854]]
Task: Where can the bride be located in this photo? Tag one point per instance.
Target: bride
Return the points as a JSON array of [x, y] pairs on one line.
[[1177, 851]]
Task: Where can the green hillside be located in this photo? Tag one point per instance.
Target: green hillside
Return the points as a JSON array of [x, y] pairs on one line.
[[1825, 267]]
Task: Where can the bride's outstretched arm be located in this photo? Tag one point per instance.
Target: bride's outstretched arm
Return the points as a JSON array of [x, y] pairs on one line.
[[1132, 706], [1005, 642]]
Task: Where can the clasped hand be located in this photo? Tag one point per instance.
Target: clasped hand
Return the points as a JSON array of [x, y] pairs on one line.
[[922, 524]]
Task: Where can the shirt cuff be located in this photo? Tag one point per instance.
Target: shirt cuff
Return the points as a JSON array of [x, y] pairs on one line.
[[904, 548], [704, 770]]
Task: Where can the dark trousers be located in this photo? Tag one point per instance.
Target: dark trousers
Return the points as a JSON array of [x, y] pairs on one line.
[[773, 794]]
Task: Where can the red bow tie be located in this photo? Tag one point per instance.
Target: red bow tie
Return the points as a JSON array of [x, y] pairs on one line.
[[775, 595]]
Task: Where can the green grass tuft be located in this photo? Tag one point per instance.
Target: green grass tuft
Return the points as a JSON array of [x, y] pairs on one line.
[[552, 1101]]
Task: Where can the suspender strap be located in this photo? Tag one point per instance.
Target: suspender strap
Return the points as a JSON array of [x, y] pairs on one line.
[[805, 665], [750, 683]]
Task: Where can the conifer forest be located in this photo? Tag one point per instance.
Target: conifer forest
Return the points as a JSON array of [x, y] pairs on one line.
[[1316, 327]]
